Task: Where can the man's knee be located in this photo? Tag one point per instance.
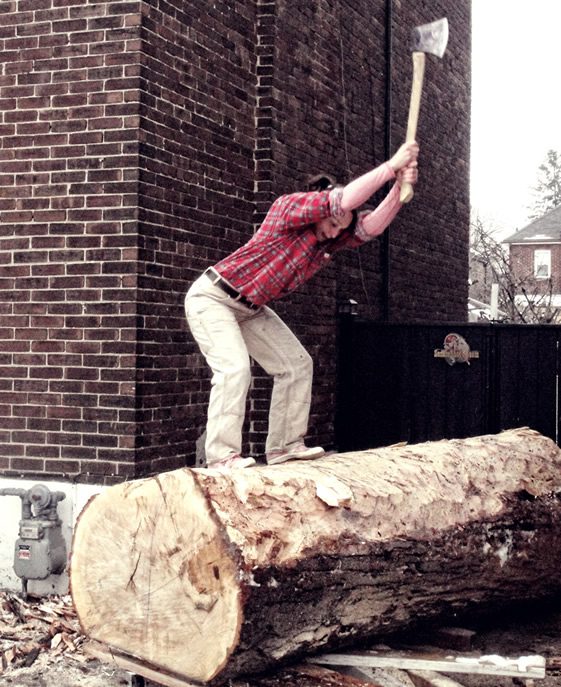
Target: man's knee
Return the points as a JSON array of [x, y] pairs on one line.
[[237, 373], [303, 365]]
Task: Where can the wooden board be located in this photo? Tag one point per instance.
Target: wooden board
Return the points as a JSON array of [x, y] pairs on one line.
[[524, 666], [296, 676], [134, 665]]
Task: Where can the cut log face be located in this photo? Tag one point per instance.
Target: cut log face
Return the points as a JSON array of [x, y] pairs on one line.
[[207, 575], [156, 576]]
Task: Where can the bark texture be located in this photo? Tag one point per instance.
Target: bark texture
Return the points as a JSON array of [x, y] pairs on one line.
[[208, 575]]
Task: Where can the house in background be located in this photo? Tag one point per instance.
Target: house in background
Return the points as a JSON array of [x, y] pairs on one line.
[[535, 259]]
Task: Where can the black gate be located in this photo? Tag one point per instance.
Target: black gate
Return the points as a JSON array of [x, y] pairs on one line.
[[400, 382]]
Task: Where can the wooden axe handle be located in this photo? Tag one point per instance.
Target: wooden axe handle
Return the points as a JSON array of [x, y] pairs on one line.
[[414, 104]]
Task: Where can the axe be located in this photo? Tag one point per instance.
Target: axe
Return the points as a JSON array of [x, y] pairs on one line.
[[427, 38]]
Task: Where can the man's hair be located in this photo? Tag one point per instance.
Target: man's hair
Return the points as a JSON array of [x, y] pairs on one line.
[[320, 182], [324, 182]]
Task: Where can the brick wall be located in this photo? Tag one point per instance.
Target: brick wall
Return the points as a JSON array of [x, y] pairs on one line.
[[197, 136], [429, 246], [143, 141], [69, 176]]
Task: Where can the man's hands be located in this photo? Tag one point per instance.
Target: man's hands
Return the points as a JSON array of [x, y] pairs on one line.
[[404, 163], [404, 166], [408, 174], [406, 154]]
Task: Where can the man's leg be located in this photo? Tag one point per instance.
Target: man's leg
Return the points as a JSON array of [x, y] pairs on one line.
[[216, 330], [271, 343]]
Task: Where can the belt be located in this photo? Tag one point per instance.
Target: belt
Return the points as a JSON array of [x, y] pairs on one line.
[[222, 284]]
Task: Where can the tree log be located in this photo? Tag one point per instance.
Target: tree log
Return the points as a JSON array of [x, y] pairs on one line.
[[207, 575]]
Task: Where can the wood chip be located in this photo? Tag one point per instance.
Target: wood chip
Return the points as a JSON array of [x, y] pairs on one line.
[[36, 626]]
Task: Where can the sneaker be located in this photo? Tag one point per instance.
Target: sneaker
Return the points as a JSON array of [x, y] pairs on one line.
[[233, 462], [297, 452]]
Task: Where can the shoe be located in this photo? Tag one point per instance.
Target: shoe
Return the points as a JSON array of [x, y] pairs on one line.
[[297, 452], [233, 462]]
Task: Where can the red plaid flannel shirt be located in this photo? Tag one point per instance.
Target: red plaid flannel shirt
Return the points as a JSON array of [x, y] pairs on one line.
[[284, 252]]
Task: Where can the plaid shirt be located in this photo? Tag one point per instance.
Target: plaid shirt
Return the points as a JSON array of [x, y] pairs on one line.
[[284, 252]]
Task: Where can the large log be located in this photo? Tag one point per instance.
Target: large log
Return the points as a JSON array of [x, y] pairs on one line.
[[206, 575]]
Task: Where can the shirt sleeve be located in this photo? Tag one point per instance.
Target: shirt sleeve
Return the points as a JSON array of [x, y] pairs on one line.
[[298, 209], [335, 198], [372, 224], [363, 187]]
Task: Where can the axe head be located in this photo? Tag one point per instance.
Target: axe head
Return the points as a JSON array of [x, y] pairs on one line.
[[431, 38]]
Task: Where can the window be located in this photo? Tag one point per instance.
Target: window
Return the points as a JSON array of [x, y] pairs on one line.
[[542, 264]]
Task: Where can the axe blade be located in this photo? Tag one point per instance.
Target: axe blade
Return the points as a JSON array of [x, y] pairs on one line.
[[431, 38]]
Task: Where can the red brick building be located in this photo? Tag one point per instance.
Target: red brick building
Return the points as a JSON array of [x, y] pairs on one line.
[[141, 141], [535, 258]]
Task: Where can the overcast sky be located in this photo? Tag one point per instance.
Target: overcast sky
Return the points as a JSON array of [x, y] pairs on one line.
[[516, 104]]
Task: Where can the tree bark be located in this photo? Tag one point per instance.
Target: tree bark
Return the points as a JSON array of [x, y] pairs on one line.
[[208, 575]]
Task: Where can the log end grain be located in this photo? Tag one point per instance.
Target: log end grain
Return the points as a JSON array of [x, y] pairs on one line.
[[154, 549]]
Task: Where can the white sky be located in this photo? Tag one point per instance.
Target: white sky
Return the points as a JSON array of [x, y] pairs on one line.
[[516, 104]]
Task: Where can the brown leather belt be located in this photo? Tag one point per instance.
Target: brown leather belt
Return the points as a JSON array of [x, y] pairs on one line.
[[222, 284]]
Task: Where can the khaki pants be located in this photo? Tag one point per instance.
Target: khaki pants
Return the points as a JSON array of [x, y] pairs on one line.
[[228, 333]]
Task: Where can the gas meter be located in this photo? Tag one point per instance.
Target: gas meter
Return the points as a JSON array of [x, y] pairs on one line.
[[40, 549]]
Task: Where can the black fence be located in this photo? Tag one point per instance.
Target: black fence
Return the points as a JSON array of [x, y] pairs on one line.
[[400, 382]]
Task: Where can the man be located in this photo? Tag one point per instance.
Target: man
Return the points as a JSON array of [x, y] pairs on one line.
[[228, 316]]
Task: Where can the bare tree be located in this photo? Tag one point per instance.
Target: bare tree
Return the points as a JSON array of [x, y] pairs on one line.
[[547, 191], [522, 298]]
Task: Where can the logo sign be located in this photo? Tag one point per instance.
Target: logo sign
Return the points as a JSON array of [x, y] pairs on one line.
[[456, 350]]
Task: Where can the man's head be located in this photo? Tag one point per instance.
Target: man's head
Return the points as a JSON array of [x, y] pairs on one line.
[[330, 227]]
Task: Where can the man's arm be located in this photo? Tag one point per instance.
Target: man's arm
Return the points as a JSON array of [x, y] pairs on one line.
[[371, 224], [362, 188]]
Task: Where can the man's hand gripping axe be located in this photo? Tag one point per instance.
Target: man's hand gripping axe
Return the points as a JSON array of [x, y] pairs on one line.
[[427, 38]]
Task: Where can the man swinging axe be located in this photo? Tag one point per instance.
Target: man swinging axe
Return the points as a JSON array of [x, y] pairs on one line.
[[229, 317]]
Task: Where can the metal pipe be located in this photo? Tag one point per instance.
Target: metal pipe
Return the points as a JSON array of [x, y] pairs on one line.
[[8, 491], [23, 495], [385, 248]]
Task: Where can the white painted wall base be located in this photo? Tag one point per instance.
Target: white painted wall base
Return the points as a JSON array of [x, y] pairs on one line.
[[77, 495]]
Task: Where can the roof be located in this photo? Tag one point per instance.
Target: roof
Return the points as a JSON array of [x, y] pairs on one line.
[[480, 312], [545, 229]]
